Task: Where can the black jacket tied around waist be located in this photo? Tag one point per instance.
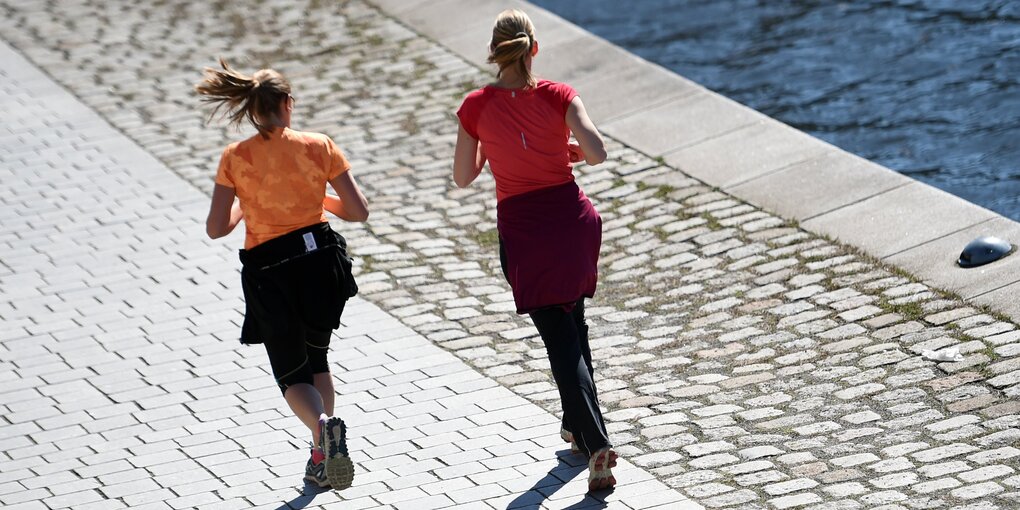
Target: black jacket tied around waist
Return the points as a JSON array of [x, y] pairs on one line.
[[306, 272]]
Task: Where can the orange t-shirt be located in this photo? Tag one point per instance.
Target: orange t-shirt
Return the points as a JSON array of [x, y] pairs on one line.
[[280, 181]]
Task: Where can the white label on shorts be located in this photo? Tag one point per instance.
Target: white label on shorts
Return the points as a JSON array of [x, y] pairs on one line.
[[309, 242]]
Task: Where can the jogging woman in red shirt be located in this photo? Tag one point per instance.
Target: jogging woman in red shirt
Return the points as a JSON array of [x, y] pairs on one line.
[[549, 232], [296, 274]]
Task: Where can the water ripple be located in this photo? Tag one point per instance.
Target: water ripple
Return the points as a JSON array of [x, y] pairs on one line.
[[930, 88]]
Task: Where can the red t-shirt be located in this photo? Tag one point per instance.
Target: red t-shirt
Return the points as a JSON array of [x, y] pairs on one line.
[[523, 134]]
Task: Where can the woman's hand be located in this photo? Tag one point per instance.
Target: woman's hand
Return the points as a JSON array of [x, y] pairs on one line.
[[576, 152]]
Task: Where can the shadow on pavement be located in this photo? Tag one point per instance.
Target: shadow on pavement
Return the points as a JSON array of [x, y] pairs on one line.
[[307, 495], [568, 467]]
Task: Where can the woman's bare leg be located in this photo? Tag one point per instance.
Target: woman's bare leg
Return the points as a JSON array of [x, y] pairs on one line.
[[324, 383], [306, 402]]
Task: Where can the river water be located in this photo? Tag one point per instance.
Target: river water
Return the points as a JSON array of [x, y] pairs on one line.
[[929, 88]]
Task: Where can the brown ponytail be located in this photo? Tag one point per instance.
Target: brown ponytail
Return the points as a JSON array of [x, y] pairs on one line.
[[255, 98], [513, 36]]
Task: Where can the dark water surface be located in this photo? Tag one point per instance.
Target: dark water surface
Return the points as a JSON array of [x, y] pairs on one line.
[[929, 88]]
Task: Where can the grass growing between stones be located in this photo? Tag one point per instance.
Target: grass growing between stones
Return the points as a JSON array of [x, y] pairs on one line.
[[909, 311], [989, 351], [662, 192], [410, 124], [465, 87], [712, 221], [486, 238]]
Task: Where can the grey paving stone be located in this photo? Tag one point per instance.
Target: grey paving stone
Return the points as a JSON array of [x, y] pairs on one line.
[[767, 146], [1003, 299], [914, 204], [626, 92], [709, 115]]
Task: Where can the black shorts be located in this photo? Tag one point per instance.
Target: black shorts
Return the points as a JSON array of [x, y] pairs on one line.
[[293, 364], [295, 288], [296, 352]]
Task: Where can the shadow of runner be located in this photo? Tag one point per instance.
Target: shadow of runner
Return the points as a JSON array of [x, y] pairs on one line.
[[308, 493], [568, 467]]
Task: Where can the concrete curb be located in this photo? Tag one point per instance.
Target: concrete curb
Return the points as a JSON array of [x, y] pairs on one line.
[[755, 158]]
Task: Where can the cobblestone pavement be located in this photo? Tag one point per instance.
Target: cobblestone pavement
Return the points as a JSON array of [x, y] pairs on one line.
[[745, 362], [124, 386]]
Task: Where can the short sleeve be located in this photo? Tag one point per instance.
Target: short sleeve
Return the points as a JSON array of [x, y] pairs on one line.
[[468, 114], [223, 176], [564, 94], [338, 163]]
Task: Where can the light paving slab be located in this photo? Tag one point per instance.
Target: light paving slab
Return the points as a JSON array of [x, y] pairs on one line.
[[434, 19], [743, 154], [231, 457], [577, 58], [680, 123], [830, 181], [1005, 299], [899, 219], [633, 86]]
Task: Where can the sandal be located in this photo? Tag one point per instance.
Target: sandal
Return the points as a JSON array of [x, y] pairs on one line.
[[568, 437], [600, 476]]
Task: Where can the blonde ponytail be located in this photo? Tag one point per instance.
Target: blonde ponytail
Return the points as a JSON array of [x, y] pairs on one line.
[[255, 98], [513, 37]]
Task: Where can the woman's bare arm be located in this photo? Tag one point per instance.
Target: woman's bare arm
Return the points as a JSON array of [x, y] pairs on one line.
[[224, 212], [588, 137], [468, 159], [351, 204]]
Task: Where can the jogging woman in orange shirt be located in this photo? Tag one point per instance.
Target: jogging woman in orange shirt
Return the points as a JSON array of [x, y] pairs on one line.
[[296, 273]]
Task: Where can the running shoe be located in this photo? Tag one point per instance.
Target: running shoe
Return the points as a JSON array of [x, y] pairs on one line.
[[600, 476], [339, 468], [315, 469]]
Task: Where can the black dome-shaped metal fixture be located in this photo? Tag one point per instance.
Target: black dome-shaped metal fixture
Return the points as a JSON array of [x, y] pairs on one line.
[[983, 250]]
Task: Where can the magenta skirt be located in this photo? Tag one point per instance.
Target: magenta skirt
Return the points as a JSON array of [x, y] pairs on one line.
[[551, 239]]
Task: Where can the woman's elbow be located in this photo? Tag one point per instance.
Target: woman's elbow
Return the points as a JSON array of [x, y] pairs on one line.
[[462, 179], [359, 214], [213, 232], [595, 157]]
